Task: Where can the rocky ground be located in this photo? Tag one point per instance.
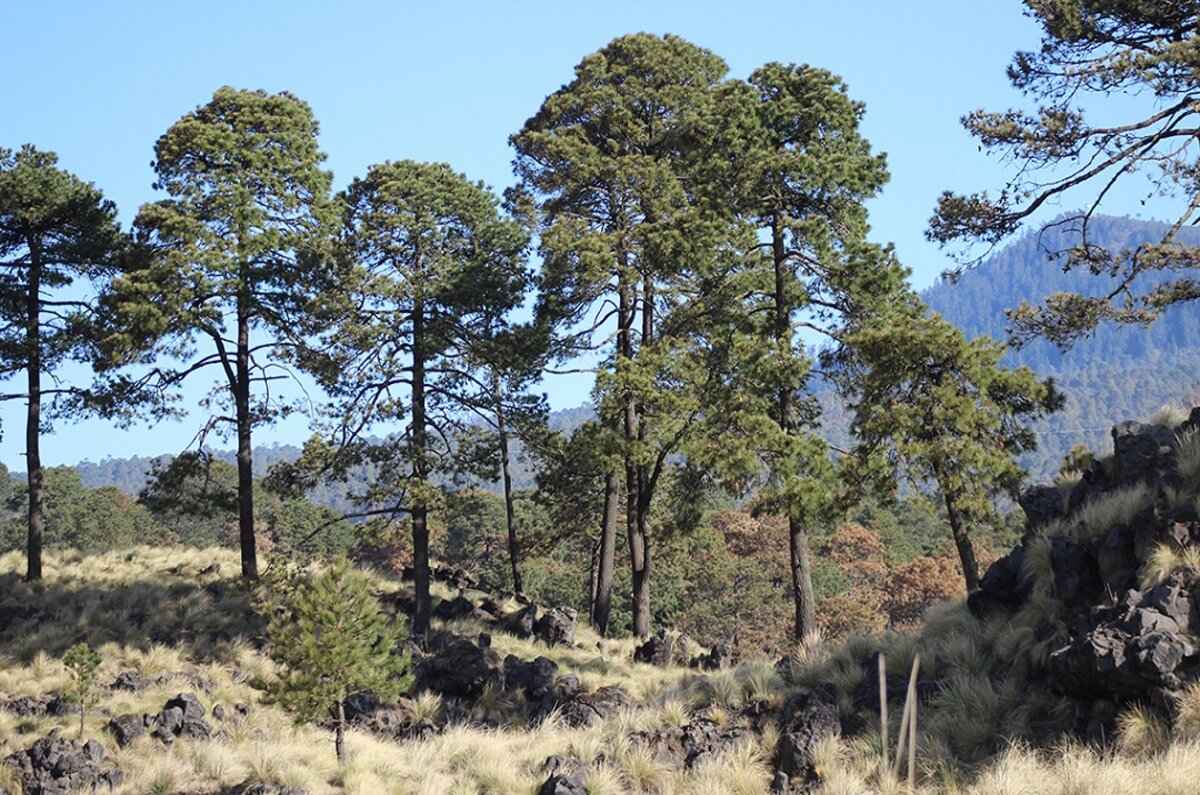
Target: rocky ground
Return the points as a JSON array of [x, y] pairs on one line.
[[1072, 670]]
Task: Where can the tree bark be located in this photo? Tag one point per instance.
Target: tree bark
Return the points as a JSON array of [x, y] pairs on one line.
[[802, 588], [420, 511], [245, 463], [602, 605], [339, 737], [801, 564], [633, 528], [962, 541], [514, 552], [34, 476]]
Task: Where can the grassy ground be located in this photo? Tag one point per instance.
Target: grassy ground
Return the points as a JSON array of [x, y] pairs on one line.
[[155, 612]]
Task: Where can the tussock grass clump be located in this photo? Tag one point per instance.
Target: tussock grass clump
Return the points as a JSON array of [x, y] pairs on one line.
[[1187, 458], [1170, 416], [1165, 560]]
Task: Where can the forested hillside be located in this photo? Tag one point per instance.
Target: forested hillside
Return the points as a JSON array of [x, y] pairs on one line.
[[1118, 372]]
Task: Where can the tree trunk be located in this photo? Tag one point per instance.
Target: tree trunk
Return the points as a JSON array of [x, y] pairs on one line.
[[339, 736], [82, 712], [962, 540], [34, 475], [245, 463], [420, 511], [602, 605], [510, 519], [801, 564], [641, 584], [802, 588], [637, 546]]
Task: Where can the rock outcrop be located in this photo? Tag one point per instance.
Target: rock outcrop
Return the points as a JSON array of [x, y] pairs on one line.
[[1102, 550], [55, 766]]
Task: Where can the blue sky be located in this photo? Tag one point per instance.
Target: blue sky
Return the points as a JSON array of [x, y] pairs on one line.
[[99, 82]]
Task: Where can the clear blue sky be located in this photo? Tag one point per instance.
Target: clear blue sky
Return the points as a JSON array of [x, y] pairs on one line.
[[99, 82]]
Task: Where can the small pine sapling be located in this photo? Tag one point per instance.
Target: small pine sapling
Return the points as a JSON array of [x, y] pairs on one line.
[[82, 662], [332, 640]]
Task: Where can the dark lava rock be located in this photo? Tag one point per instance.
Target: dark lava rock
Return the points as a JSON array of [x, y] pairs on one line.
[[535, 678], [127, 728], [521, 623], [556, 627], [720, 656], [54, 766], [808, 717], [460, 669], [685, 746]]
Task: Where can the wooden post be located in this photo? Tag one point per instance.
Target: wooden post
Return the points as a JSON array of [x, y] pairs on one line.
[[906, 719], [912, 728], [883, 717]]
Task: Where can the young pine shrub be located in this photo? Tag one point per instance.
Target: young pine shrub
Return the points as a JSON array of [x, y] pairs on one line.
[[82, 662], [332, 640], [1187, 458]]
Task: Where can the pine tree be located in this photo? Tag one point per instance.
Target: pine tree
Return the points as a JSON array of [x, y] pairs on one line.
[[948, 415], [431, 262], [1092, 50], [609, 159], [228, 268], [798, 172], [54, 229], [333, 641], [82, 662]]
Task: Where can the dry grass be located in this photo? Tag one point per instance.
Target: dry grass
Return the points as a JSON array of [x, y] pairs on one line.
[[970, 741]]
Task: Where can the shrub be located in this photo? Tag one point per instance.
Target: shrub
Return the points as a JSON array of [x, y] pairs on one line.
[[332, 640], [82, 662]]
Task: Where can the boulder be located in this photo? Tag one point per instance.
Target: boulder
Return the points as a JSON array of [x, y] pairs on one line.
[[556, 627], [720, 656], [521, 623], [534, 678], [461, 669], [808, 717], [55, 766]]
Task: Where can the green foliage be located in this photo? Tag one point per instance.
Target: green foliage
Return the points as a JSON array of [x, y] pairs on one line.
[[944, 412], [82, 662], [91, 520], [332, 640], [1092, 49], [240, 249]]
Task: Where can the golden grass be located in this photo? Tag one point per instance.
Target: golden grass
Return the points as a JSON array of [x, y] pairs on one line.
[[962, 747]]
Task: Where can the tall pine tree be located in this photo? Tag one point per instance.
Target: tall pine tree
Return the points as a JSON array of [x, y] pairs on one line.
[[55, 229], [229, 266]]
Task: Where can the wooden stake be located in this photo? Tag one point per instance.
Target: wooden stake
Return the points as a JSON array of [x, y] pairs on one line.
[[883, 717], [906, 716]]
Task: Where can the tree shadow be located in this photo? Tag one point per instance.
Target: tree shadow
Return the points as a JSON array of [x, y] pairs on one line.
[[205, 620]]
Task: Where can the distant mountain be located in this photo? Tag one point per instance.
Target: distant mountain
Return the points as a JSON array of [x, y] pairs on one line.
[[1118, 373]]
